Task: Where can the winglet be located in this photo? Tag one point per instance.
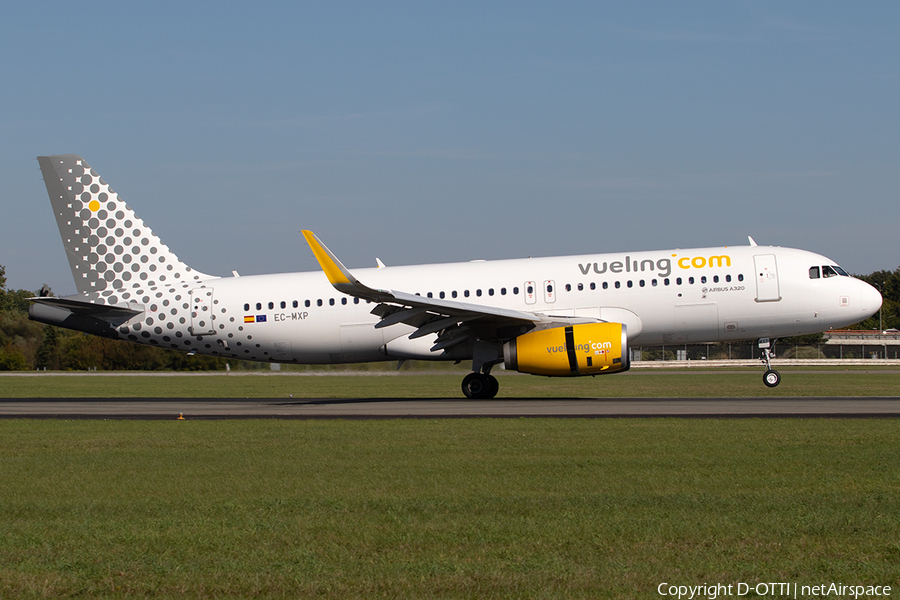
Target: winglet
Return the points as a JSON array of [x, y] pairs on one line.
[[337, 273], [752, 241]]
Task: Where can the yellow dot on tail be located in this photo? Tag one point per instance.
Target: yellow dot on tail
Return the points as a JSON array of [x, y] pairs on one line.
[[94, 205]]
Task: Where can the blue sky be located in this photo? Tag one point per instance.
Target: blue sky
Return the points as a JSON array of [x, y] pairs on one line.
[[438, 132]]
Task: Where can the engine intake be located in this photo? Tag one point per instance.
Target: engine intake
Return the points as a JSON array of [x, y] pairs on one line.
[[586, 349]]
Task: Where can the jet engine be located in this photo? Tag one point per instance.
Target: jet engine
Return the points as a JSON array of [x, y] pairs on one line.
[[585, 349]]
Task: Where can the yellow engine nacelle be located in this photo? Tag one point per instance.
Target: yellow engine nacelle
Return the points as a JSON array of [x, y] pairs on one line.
[[586, 349]]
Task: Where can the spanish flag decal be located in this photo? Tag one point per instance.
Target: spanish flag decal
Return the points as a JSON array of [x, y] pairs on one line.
[[249, 319]]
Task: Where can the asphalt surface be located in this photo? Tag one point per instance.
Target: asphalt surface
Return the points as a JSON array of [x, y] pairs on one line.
[[392, 408]]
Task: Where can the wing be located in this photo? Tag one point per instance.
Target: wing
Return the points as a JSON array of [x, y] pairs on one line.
[[454, 322]]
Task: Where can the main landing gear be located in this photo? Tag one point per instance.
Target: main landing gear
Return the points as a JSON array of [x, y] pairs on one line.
[[771, 377], [480, 386]]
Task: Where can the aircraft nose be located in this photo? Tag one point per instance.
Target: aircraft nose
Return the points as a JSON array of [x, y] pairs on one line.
[[870, 299]]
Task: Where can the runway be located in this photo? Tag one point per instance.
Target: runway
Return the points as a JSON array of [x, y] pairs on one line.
[[391, 408]]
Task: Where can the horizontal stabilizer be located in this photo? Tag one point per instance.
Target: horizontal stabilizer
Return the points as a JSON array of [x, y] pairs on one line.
[[90, 317], [90, 309]]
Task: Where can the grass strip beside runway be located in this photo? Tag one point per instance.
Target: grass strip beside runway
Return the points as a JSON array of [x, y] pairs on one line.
[[477, 508], [746, 383]]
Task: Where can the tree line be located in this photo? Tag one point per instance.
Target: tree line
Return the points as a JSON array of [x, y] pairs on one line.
[[26, 345]]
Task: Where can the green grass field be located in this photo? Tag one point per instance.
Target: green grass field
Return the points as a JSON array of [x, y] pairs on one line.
[[529, 508], [475, 508], [798, 381]]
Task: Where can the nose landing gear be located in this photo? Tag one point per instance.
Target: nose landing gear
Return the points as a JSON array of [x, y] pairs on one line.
[[771, 377]]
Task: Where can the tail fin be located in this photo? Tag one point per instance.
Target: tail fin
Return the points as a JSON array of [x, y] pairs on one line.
[[108, 246]]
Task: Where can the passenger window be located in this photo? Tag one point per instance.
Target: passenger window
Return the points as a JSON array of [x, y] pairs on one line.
[[296, 304], [728, 278], [593, 286], [814, 272], [605, 285], [516, 291], [453, 294], [259, 306], [490, 291], [678, 281], [283, 304], [568, 287], [331, 301], [715, 279], [691, 280], [441, 295], [466, 293], [618, 285], [319, 302], [666, 281], [430, 295], [307, 303], [356, 301], [502, 291], [478, 293], [740, 277], [654, 283], [630, 283], [246, 307], [703, 279], [641, 283]]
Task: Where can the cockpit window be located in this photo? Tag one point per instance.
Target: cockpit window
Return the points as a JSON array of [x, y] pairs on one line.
[[828, 271], [840, 271], [814, 272]]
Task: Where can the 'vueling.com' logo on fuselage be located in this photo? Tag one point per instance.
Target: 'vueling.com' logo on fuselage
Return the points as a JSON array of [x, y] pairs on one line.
[[662, 266]]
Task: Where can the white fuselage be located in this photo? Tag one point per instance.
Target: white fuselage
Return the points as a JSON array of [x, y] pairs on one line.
[[680, 296]]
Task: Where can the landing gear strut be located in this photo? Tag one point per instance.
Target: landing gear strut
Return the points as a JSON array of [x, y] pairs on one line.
[[771, 377]]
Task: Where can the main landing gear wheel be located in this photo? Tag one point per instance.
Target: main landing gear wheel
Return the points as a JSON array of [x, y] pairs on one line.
[[771, 378], [480, 386]]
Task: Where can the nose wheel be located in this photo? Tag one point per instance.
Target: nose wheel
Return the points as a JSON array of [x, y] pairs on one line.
[[480, 386], [771, 377]]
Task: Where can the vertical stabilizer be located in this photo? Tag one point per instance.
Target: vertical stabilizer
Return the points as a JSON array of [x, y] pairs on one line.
[[108, 246]]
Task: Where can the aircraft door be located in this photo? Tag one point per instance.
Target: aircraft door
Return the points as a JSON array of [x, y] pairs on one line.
[[202, 311], [767, 289], [549, 291], [530, 292]]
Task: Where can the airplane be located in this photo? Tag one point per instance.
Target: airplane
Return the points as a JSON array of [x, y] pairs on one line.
[[559, 317]]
